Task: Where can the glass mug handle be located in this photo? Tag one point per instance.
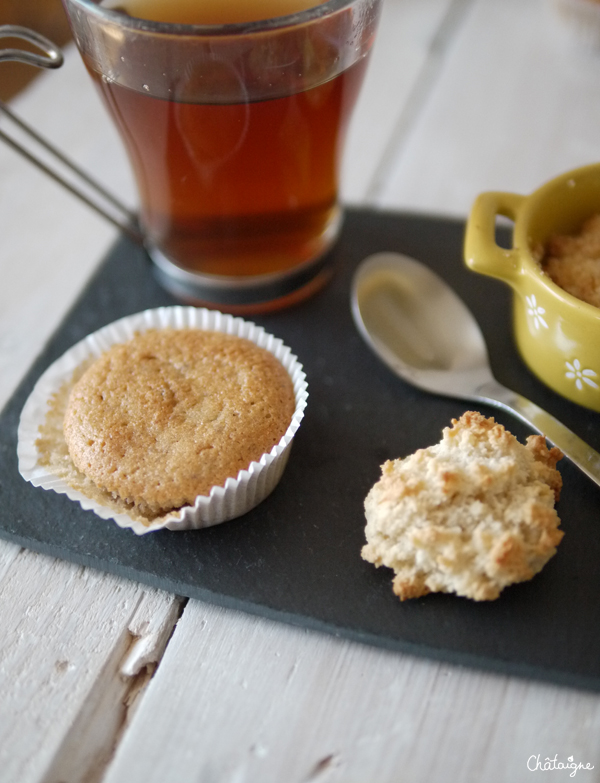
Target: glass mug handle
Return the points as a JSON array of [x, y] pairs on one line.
[[482, 253]]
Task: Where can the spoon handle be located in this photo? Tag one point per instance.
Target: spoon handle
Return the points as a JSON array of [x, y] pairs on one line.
[[577, 450]]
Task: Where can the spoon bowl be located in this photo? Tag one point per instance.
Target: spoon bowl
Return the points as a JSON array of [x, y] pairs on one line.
[[419, 326], [423, 331]]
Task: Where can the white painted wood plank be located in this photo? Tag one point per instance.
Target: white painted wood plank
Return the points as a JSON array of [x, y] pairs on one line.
[[74, 646], [513, 106], [8, 554], [263, 706], [399, 57]]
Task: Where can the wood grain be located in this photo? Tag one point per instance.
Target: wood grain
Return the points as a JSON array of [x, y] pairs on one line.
[[262, 705], [65, 683], [513, 106]]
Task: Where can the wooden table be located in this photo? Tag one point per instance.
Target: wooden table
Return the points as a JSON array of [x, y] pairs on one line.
[[105, 680]]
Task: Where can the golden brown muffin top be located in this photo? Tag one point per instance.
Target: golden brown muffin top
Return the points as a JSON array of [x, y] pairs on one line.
[[161, 419]]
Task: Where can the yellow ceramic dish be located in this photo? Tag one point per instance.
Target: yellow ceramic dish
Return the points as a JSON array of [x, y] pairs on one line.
[[557, 335]]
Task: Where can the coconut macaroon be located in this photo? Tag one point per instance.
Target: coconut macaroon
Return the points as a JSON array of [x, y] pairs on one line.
[[470, 515], [161, 419]]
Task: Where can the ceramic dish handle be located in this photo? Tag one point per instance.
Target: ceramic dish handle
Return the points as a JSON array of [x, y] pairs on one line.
[[482, 253], [577, 450]]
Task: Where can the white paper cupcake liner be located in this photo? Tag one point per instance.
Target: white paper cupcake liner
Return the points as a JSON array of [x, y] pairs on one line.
[[238, 495]]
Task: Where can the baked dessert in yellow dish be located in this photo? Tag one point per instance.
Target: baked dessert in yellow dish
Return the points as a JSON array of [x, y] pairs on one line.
[[469, 515], [573, 261]]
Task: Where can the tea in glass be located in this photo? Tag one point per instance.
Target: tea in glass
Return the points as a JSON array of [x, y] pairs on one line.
[[234, 115]]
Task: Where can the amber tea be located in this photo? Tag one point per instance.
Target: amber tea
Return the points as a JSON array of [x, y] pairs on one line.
[[235, 140], [238, 189]]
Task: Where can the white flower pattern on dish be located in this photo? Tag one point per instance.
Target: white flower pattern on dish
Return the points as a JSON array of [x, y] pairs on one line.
[[536, 312], [580, 376]]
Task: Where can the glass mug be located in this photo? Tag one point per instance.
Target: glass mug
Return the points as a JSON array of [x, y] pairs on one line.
[[234, 129]]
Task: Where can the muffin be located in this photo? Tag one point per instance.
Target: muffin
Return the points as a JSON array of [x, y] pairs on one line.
[[179, 418], [170, 414], [470, 515]]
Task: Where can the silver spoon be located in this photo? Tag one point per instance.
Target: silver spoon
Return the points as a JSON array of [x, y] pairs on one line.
[[425, 333]]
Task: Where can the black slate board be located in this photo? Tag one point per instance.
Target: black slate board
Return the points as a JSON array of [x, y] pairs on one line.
[[296, 557]]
